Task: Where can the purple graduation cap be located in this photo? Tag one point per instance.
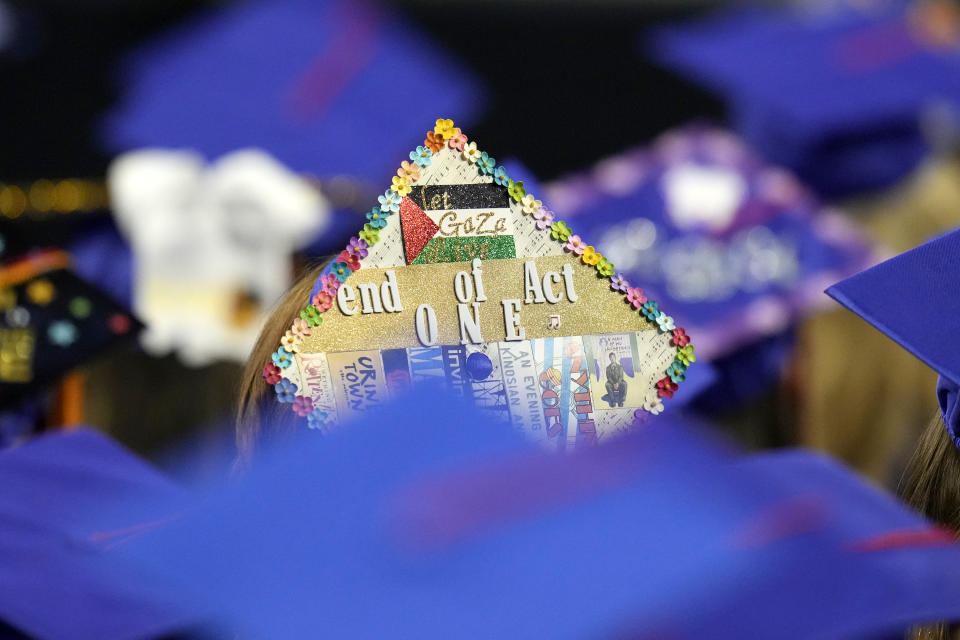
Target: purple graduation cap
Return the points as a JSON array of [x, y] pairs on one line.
[[59, 573], [739, 247], [838, 94], [450, 526], [915, 299], [327, 87]]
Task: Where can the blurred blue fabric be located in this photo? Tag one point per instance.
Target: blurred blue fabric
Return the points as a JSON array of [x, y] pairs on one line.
[[328, 87], [837, 94], [58, 569], [433, 522]]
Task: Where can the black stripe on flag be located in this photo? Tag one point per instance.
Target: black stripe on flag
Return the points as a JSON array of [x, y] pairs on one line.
[[446, 197]]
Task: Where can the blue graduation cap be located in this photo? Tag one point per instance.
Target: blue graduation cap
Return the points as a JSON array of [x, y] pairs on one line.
[[409, 527], [326, 87], [739, 247], [915, 299], [838, 95], [59, 575]]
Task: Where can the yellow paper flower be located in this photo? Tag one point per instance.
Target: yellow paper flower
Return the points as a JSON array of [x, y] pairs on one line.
[[401, 185], [444, 128], [590, 256]]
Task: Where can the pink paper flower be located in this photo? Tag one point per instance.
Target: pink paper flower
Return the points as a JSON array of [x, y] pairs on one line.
[[635, 297], [330, 283], [352, 261], [323, 301], [409, 170], [457, 140], [575, 245], [301, 328]]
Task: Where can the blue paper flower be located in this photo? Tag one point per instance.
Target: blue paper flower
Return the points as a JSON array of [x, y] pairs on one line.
[[316, 419], [486, 163], [500, 177], [677, 372], [390, 202], [282, 358], [423, 156], [377, 219], [62, 333], [650, 310], [665, 322], [286, 391], [341, 270]]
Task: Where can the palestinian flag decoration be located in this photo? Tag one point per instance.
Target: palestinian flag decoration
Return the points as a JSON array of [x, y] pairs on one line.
[[462, 278]]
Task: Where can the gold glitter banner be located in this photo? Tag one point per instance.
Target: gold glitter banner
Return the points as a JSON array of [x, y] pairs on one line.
[[597, 309]]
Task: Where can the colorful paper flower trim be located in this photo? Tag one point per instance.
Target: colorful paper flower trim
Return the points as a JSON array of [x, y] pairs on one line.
[[410, 172]]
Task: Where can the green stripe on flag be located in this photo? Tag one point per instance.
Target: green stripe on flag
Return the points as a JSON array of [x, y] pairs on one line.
[[441, 249]]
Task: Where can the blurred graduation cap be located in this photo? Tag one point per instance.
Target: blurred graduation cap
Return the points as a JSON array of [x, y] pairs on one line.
[[51, 320], [326, 87], [915, 299], [739, 247], [409, 527], [59, 578], [839, 95]]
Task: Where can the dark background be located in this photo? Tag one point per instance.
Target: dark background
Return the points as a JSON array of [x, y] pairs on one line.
[[572, 60]]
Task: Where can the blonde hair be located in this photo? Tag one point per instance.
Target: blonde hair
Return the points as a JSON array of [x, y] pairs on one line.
[[931, 485], [931, 482], [256, 403]]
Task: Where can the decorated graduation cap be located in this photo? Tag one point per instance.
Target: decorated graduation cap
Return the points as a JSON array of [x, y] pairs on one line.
[[462, 277], [738, 248], [51, 320], [290, 77], [841, 94], [408, 527], [915, 299]]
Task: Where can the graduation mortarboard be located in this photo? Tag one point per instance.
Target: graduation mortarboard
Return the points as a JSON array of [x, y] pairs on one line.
[[69, 499], [451, 526], [469, 280], [915, 299], [51, 321], [839, 95], [330, 87], [739, 247]]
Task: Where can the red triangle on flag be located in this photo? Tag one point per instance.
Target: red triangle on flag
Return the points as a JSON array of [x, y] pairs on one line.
[[418, 229]]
